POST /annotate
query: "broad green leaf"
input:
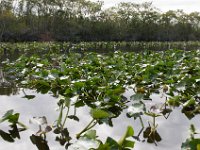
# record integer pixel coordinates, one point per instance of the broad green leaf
(129, 131)
(198, 146)
(111, 144)
(191, 144)
(99, 114)
(189, 102)
(13, 118)
(91, 134)
(6, 115)
(10, 117)
(174, 101)
(79, 103)
(122, 141)
(128, 143)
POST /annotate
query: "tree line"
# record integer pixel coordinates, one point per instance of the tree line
(84, 20)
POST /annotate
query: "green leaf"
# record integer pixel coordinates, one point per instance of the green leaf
(128, 143)
(79, 103)
(10, 117)
(13, 118)
(174, 101)
(91, 134)
(129, 132)
(112, 143)
(122, 141)
(189, 102)
(191, 144)
(6, 115)
(99, 114)
(198, 146)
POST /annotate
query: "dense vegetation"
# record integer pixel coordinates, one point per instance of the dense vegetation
(77, 76)
(83, 20)
(14, 50)
(99, 81)
(10, 49)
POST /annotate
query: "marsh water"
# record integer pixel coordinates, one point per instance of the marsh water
(174, 130)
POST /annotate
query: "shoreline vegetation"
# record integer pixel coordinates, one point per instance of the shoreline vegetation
(13, 51)
(83, 20)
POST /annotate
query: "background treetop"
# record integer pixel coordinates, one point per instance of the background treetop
(83, 20)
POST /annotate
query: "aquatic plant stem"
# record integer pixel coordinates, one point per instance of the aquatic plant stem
(142, 124)
(22, 125)
(154, 122)
(88, 127)
(66, 116)
(141, 121)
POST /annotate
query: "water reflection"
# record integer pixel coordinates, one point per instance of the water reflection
(27, 110)
(40, 142)
(7, 87)
(9, 91)
(173, 131)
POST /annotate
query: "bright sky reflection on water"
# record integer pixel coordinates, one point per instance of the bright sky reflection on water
(173, 131)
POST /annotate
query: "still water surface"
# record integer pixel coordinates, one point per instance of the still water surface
(173, 130)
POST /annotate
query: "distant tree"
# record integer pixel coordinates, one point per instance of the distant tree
(83, 20)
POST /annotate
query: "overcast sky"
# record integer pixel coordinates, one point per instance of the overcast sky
(163, 5)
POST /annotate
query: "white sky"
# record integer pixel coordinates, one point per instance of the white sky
(163, 5)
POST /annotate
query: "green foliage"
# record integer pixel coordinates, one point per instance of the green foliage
(13, 133)
(99, 114)
(191, 143)
(10, 117)
(123, 144)
(84, 20)
(99, 82)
